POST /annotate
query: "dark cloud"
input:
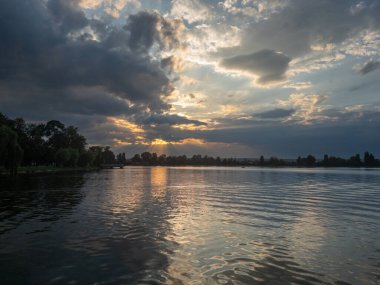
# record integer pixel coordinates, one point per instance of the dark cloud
(55, 61)
(268, 65)
(146, 29)
(67, 15)
(160, 119)
(275, 114)
(41, 54)
(369, 67)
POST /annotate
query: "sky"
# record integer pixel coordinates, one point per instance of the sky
(235, 78)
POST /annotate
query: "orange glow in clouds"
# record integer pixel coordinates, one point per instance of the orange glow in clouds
(122, 123)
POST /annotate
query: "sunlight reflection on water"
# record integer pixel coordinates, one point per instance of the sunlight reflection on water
(192, 225)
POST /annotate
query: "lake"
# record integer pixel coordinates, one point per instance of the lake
(192, 225)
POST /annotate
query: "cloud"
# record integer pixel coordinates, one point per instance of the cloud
(42, 60)
(190, 10)
(308, 107)
(369, 67)
(277, 113)
(110, 7)
(268, 65)
(257, 9)
(303, 24)
(53, 60)
(58, 64)
(148, 28)
(166, 119)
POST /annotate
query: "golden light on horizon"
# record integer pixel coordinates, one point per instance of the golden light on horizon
(184, 141)
(159, 142)
(121, 142)
(159, 146)
(122, 123)
(191, 127)
(191, 141)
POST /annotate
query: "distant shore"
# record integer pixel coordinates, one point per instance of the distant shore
(38, 170)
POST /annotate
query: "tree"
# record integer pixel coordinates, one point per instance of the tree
(262, 161)
(162, 159)
(97, 152)
(369, 159)
(10, 151)
(310, 160)
(86, 158)
(325, 161)
(120, 159)
(67, 157)
(108, 156)
(154, 159)
(136, 159)
(146, 157)
(355, 161)
(73, 139)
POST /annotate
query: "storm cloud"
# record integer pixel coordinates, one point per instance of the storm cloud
(53, 49)
(269, 65)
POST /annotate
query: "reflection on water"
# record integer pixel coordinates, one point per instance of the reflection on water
(159, 181)
(192, 225)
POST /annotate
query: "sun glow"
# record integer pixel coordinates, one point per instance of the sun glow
(159, 142)
(180, 142)
(122, 123)
(121, 142)
(191, 127)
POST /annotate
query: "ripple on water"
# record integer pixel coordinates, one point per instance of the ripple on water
(160, 225)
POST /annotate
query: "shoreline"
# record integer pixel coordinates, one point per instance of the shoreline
(37, 170)
(41, 170)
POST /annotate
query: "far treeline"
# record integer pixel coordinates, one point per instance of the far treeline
(147, 158)
(53, 144)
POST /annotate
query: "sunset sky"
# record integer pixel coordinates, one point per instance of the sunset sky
(230, 78)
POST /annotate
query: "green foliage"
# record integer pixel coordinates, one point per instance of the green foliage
(86, 158)
(67, 157)
(41, 142)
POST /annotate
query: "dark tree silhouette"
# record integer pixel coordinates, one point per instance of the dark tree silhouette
(10, 151)
(369, 159)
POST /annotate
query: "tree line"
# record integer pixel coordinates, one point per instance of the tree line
(368, 160)
(147, 158)
(54, 144)
(50, 144)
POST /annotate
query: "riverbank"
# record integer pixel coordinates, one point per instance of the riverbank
(30, 170)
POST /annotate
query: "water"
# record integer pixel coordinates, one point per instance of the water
(192, 225)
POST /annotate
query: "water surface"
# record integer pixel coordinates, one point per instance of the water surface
(192, 225)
